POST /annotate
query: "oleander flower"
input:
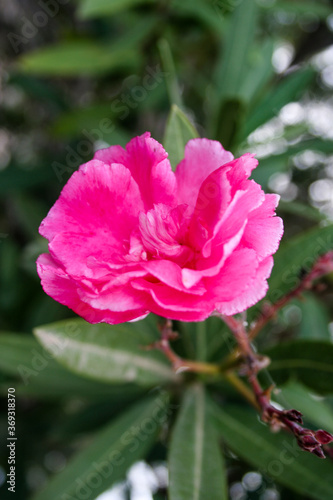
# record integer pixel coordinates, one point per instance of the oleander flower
(129, 236)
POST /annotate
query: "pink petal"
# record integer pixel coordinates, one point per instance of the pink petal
(94, 216)
(172, 275)
(212, 201)
(202, 157)
(147, 161)
(61, 287)
(114, 299)
(224, 227)
(174, 304)
(211, 266)
(240, 170)
(256, 290)
(235, 276)
(263, 231)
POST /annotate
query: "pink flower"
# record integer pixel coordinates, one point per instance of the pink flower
(128, 236)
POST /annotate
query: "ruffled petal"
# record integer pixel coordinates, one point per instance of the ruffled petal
(61, 287)
(173, 304)
(235, 276)
(264, 230)
(202, 157)
(256, 290)
(147, 161)
(172, 275)
(240, 170)
(94, 216)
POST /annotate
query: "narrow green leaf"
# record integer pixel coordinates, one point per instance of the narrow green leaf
(113, 450)
(170, 72)
(295, 395)
(260, 71)
(210, 340)
(195, 462)
(201, 334)
(97, 8)
(35, 373)
(235, 50)
(76, 58)
(179, 130)
(295, 256)
(275, 455)
(231, 114)
(287, 90)
(108, 353)
(309, 362)
(315, 319)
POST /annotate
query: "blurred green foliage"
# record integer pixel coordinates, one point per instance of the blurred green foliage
(80, 75)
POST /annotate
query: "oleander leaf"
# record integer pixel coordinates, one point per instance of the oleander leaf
(110, 353)
(179, 130)
(195, 461)
(114, 449)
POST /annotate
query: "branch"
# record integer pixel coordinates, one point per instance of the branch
(307, 439)
(179, 364)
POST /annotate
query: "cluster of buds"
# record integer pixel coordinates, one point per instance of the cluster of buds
(308, 440)
(313, 441)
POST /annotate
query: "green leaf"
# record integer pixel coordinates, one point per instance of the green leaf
(235, 50)
(208, 340)
(195, 462)
(113, 354)
(309, 362)
(259, 73)
(97, 8)
(170, 72)
(231, 114)
(275, 455)
(77, 58)
(113, 450)
(179, 130)
(36, 374)
(295, 256)
(287, 90)
(295, 395)
(315, 319)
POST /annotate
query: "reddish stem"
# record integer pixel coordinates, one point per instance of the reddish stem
(178, 363)
(307, 439)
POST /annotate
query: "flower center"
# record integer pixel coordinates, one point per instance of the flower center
(163, 233)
